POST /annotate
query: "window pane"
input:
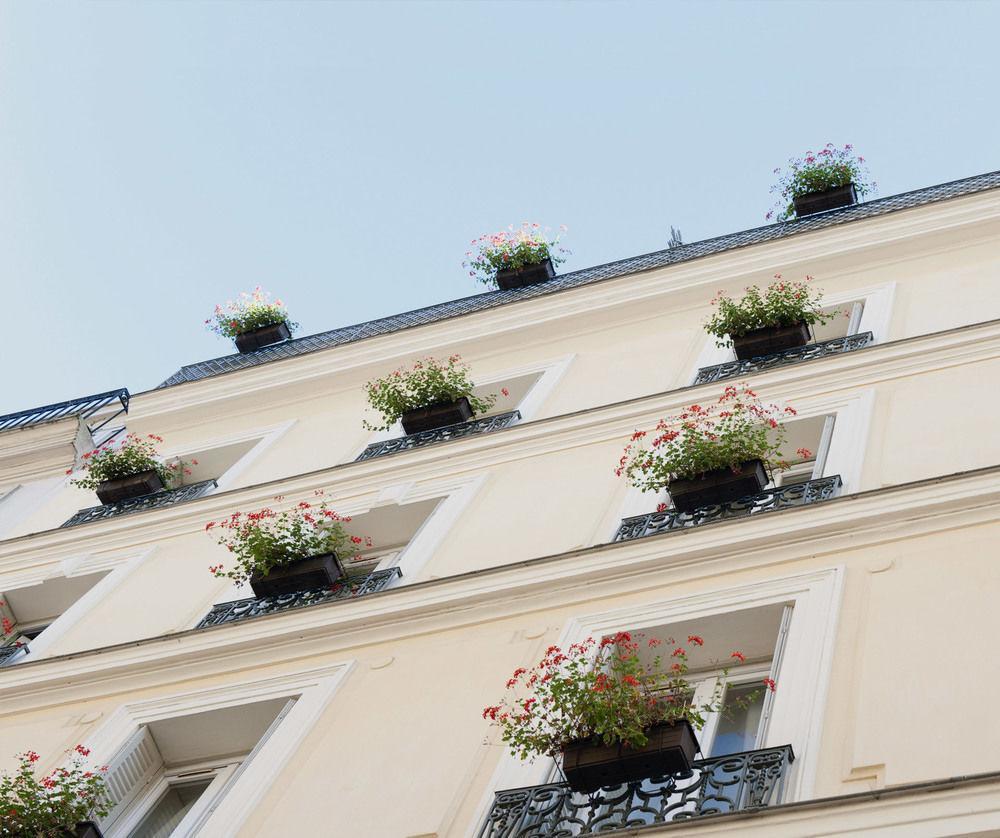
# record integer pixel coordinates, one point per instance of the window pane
(737, 729)
(170, 810)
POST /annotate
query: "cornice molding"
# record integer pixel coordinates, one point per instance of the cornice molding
(39, 451)
(858, 369)
(978, 210)
(809, 533)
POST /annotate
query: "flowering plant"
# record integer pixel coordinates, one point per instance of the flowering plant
(828, 168)
(249, 312)
(427, 382)
(45, 807)
(736, 428)
(781, 303)
(601, 690)
(511, 250)
(133, 455)
(265, 539)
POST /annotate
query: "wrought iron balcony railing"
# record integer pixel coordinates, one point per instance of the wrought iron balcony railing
(715, 786)
(142, 503)
(82, 407)
(836, 346)
(9, 652)
(244, 609)
(781, 497)
(477, 426)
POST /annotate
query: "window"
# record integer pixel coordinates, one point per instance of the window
(527, 389)
(173, 772)
(858, 311)
(28, 611)
(212, 748)
(759, 634)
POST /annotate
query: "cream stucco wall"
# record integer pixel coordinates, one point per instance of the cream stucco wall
(402, 746)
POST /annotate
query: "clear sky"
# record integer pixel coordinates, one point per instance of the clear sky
(156, 158)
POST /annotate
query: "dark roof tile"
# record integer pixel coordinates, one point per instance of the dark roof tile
(648, 261)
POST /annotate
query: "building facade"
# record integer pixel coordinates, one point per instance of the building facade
(864, 582)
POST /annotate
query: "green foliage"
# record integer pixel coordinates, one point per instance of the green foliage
(133, 455)
(735, 429)
(603, 690)
(251, 311)
(511, 250)
(262, 540)
(828, 168)
(33, 807)
(426, 383)
(780, 304)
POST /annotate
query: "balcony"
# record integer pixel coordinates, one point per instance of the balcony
(837, 346)
(486, 425)
(245, 609)
(141, 503)
(715, 786)
(9, 652)
(781, 497)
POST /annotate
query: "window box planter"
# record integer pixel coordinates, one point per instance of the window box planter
(134, 486)
(718, 486)
(839, 196)
(264, 336)
(772, 339)
(84, 829)
(588, 765)
(323, 571)
(436, 416)
(530, 275)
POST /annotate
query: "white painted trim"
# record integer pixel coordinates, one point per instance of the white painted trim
(23, 499)
(412, 559)
(59, 627)
(314, 690)
(266, 436)
(801, 699)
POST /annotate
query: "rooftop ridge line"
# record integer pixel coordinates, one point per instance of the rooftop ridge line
(609, 270)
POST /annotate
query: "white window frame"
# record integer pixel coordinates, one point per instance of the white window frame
(454, 495)
(845, 454)
(266, 437)
(150, 797)
(120, 565)
(796, 717)
(875, 318)
(313, 690)
(704, 685)
(549, 373)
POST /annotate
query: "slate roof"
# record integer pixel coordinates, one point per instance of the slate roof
(648, 261)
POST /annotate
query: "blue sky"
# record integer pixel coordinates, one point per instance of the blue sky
(157, 158)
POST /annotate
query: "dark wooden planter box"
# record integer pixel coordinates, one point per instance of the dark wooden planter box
(134, 486)
(437, 416)
(530, 275)
(84, 829)
(839, 196)
(670, 750)
(322, 571)
(718, 486)
(772, 339)
(264, 336)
